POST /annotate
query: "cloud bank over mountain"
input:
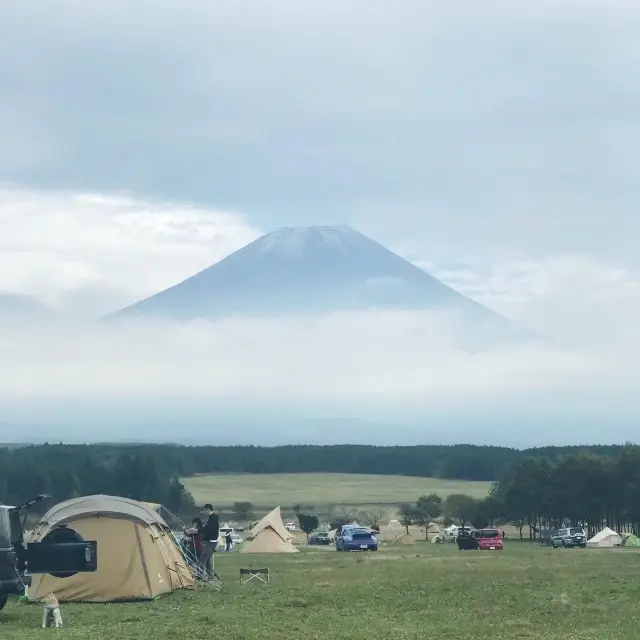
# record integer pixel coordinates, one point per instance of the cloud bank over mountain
(177, 380)
(409, 373)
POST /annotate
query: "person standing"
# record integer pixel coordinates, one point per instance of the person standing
(192, 543)
(210, 533)
(229, 540)
(196, 538)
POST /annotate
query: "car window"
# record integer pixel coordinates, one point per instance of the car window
(487, 533)
(575, 531)
(359, 531)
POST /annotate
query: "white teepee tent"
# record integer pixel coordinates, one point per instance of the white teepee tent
(605, 538)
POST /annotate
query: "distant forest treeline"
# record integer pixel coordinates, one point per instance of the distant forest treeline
(152, 472)
(579, 488)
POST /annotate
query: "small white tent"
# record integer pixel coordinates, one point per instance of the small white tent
(605, 538)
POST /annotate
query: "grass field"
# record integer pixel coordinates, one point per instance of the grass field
(286, 489)
(426, 591)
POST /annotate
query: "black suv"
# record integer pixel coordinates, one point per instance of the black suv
(57, 554)
(569, 537)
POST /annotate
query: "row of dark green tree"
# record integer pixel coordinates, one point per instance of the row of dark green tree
(464, 462)
(545, 493)
(68, 472)
(583, 488)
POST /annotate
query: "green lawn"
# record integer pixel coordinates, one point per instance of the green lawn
(426, 591)
(287, 489)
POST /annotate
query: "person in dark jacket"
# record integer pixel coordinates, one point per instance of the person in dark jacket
(210, 533)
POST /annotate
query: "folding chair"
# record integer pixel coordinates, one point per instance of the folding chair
(258, 574)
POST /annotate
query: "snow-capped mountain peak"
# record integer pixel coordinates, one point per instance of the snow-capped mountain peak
(301, 270)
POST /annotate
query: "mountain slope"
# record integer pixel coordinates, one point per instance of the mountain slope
(15, 306)
(307, 270)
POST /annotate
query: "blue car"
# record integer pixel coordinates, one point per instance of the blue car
(356, 538)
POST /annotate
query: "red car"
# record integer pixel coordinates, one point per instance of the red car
(489, 539)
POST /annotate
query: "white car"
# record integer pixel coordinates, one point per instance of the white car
(453, 531)
(290, 526)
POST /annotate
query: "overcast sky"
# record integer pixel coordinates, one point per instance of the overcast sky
(494, 144)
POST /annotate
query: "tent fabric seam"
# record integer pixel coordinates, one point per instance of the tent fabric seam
(143, 560)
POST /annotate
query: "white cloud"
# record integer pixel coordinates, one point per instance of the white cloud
(104, 250)
(512, 124)
(260, 381)
(364, 358)
(577, 299)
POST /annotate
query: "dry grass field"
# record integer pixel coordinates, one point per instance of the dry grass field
(321, 489)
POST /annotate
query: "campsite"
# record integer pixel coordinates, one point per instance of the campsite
(143, 587)
(318, 320)
(400, 592)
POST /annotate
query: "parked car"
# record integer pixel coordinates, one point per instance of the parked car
(569, 537)
(489, 539)
(466, 541)
(356, 538)
(290, 526)
(320, 538)
(452, 532)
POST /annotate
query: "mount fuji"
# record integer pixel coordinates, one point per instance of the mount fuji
(296, 271)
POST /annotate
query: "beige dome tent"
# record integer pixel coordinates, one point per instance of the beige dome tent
(159, 509)
(138, 556)
(269, 536)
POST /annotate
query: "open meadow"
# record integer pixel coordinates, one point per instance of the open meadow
(425, 591)
(287, 489)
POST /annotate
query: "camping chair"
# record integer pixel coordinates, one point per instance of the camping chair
(258, 574)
